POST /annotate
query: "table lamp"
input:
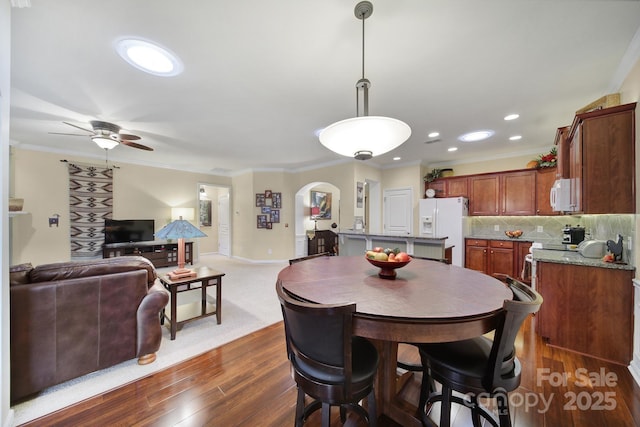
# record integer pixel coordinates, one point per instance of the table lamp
(180, 229)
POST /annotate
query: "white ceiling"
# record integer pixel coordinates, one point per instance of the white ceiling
(261, 77)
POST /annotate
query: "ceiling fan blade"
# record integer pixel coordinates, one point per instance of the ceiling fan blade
(128, 137)
(78, 127)
(135, 145)
(70, 134)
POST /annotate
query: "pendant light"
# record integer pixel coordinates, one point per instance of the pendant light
(364, 137)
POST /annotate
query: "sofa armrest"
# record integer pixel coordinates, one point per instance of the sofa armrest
(149, 328)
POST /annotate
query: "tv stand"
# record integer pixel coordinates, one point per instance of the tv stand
(160, 253)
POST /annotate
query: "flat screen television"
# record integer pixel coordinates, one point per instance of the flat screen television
(128, 230)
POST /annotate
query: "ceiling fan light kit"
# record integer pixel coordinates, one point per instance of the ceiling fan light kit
(364, 137)
(107, 135)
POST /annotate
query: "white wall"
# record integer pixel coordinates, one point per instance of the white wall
(6, 414)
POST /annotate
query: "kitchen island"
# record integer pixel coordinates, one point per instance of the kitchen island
(357, 243)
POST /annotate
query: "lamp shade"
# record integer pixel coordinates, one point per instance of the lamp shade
(374, 134)
(179, 229)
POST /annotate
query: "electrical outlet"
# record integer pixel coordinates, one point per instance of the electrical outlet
(496, 228)
(539, 229)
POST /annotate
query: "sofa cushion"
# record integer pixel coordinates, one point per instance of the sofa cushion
(75, 269)
(19, 274)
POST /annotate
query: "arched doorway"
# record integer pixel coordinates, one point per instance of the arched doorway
(303, 222)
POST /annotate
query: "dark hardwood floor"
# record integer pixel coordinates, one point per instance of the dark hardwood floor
(247, 383)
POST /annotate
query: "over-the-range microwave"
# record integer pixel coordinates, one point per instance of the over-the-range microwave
(560, 196)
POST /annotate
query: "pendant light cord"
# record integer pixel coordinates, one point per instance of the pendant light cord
(363, 83)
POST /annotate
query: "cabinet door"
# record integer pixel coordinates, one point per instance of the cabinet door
(484, 194)
(458, 187)
(501, 260)
(562, 148)
(476, 258)
(575, 169)
(518, 193)
(544, 181)
(587, 309)
(608, 163)
(439, 186)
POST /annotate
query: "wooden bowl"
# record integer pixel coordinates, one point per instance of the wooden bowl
(387, 268)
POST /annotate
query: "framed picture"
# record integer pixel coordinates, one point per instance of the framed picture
(260, 200)
(275, 215)
(320, 205)
(277, 200)
(205, 213)
(266, 210)
(269, 226)
(359, 194)
(262, 221)
(267, 194)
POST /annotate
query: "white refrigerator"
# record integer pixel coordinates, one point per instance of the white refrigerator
(446, 217)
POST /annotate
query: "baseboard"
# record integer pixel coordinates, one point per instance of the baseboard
(634, 368)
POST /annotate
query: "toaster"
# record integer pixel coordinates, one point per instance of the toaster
(592, 248)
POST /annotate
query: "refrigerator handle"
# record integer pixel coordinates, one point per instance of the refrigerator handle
(435, 222)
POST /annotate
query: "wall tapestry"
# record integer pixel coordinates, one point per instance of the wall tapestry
(90, 203)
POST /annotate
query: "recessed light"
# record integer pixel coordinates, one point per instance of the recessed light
(476, 136)
(149, 57)
(434, 134)
(512, 116)
(397, 158)
(515, 137)
(452, 149)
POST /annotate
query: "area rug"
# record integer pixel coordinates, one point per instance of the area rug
(249, 303)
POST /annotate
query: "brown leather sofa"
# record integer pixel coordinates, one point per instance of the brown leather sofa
(69, 319)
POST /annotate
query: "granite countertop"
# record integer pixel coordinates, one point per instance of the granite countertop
(391, 236)
(502, 237)
(574, 258)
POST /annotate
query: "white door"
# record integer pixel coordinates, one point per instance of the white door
(398, 211)
(223, 225)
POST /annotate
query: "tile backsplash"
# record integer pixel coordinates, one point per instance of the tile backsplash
(599, 227)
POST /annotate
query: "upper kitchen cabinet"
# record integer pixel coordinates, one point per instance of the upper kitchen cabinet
(545, 178)
(601, 161)
(507, 193)
(456, 186)
(562, 148)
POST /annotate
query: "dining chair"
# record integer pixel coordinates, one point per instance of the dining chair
(304, 258)
(328, 363)
(479, 365)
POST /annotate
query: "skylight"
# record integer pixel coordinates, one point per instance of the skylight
(149, 57)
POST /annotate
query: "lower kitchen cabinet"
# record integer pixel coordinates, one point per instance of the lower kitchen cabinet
(496, 257)
(587, 309)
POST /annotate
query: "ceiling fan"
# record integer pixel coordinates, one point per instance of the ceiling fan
(107, 135)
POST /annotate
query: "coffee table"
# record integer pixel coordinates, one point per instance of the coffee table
(206, 306)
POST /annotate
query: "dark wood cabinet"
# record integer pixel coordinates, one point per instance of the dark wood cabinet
(160, 254)
(507, 193)
(496, 258)
(562, 148)
(484, 194)
(587, 309)
(457, 186)
(544, 181)
(517, 193)
(602, 161)
(323, 241)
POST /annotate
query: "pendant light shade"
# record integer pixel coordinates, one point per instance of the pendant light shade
(358, 136)
(364, 137)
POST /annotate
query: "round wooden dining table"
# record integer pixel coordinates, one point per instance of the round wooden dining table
(428, 301)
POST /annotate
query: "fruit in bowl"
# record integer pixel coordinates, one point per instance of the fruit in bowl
(514, 234)
(388, 260)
